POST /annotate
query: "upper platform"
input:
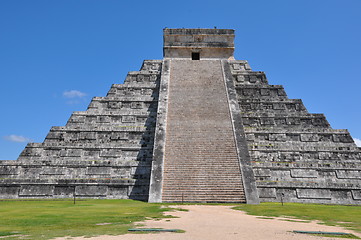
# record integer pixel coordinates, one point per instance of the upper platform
(198, 43)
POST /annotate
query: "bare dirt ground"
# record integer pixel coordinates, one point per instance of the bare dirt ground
(223, 223)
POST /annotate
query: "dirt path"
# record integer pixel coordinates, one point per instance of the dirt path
(223, 223)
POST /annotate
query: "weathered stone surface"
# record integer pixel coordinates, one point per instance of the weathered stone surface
(156, 181)
(356, 194)
(292, 149)
(267, 192)
(201, 162)
(112, 140)
(36, 190)
(241, 128)
(304, 173)
(314, 193)
(207, 43)
(91, 191)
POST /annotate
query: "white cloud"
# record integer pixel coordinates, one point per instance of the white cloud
(17, 138)
(73, 94)
(357, 141)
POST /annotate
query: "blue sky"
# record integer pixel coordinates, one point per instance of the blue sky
(56, 55)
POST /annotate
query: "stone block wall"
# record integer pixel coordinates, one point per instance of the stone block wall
(208, 43)
(107, 150)
(103, 152)
(295, 155)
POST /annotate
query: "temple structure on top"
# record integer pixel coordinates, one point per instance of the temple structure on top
(196, 43)
(196, 126)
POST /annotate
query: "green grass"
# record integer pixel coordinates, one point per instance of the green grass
(345, 216)
(47, 219)
(336, 236)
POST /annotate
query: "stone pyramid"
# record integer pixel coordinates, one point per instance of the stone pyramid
(197, 126)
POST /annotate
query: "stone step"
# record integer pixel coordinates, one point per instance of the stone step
(204, 190)
(204, 194)
(185, 175)
(205, 179)
(184, 170)
(223, 198)
(215, 199)
(201, 159)
(221, 167)
(223, 164)
(219, 182)
(185, 197)
(218, 178)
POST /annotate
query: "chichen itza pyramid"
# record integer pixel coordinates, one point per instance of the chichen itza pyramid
(196, 126)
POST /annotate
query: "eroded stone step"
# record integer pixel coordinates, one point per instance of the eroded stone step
(200, 155)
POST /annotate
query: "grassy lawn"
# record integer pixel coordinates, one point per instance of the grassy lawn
(45, 219)
(48, 219)
(345, 216)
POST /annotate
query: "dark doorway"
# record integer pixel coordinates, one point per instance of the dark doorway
(195, 56)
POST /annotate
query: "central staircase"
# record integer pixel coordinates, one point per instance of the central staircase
(201, 162)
